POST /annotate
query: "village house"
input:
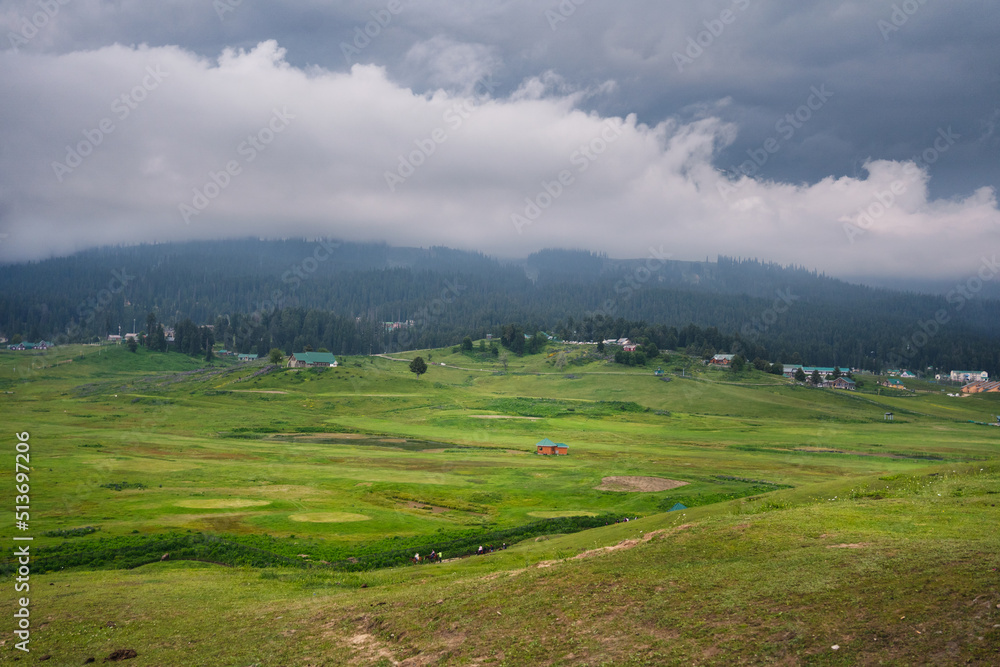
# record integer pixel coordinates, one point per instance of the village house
(312, 360)
(247, 357)
(982, 387)
(546, 447)
(969, 376)
(892, 383)
(843, 383)
(722, 359)
(823, 371)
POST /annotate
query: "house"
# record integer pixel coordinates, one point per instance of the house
(823, 371)
(630, 347)
(114, 338)
(982, 387)
(893, 383)
(312, 360)
(546, 447)
(907, 375)
(844, 383)
(247, 357)
(722, 359)
(969, 376)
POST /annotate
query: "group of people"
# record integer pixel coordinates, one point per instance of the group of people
(433, 557)
(625, 520)
(436, 557)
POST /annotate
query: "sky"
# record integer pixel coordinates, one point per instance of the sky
(858, 138)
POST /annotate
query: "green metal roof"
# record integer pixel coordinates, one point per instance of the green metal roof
(315, 357)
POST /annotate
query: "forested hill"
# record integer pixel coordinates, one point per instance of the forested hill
(337, 295)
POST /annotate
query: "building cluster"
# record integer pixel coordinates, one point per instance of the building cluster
(40, 345)
(982, 387)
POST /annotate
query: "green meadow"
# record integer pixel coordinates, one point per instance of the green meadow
(289, 501)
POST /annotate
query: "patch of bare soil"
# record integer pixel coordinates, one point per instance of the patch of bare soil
(624, 544)
(420, 506)
(638, 484)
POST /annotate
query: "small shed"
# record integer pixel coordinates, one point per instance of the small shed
(546, 447)
(887, 417)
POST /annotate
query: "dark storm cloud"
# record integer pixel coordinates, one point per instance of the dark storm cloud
(819, 103)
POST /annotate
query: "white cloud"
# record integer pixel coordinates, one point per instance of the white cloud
(319, 167)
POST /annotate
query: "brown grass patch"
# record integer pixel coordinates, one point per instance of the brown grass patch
(638, 484)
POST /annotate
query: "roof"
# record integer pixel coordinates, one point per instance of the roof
(545, 442)
(727, 357)
(315, 357)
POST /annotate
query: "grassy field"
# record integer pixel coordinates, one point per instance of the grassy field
(811, 521)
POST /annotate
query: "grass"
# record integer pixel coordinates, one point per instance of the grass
(810, 521)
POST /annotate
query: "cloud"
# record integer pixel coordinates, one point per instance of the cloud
(182, 146)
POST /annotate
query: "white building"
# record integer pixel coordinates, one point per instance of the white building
(969, 376)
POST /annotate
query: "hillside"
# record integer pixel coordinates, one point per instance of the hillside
(290, 294)
(811, 522)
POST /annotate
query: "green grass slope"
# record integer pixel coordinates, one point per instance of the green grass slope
(812, 522)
